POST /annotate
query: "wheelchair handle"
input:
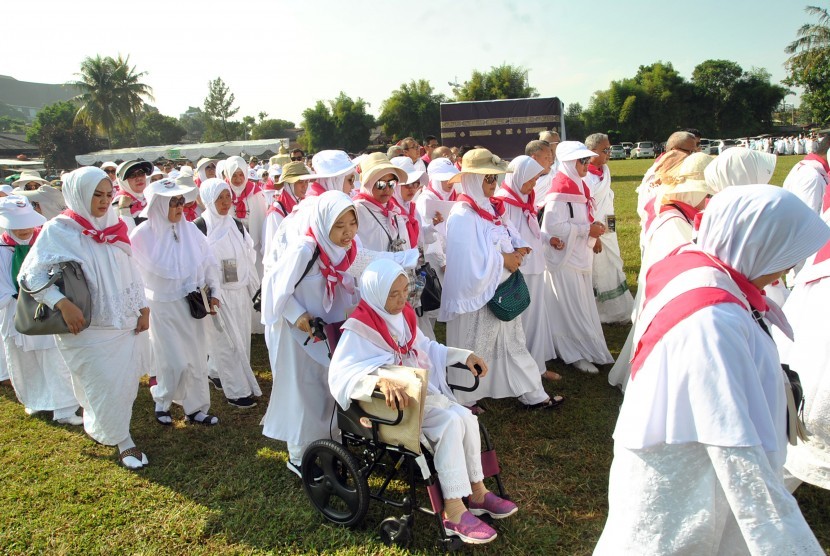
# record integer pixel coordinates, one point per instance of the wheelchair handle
(380, 420)
(475, 378)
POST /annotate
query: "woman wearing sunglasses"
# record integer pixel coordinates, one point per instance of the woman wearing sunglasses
(174, 259)
(382, 228)
(484, 250)
(568, 215)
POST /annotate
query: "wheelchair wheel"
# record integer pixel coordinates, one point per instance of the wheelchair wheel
(333, 483)
(396, 532)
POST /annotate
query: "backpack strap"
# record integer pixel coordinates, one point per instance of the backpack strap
(202, 225)
(310, 264)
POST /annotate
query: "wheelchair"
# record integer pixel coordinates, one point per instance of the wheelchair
(336, 475)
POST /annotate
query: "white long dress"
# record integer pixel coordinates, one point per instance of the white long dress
(102, 360)
(713, 390)
(614, 300)
(471, 324)
(38, 373)
(578, 333)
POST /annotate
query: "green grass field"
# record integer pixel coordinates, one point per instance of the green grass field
(225, 490)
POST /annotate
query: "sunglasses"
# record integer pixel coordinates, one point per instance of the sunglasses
(381, 185)
(607, 151)
(414, 185)
(176, 201)
(490, 178)
(210, 167)
(135, 174)
(584, 161)
(297, 158)
(110, 170)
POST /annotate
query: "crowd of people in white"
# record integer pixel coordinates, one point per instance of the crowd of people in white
(184, 266)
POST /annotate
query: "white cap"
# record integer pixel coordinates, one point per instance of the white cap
(573, 150)
(17, 213)
(441, 169)
(330, 163)
(405, 163)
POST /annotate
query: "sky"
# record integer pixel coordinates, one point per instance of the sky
(281, 57)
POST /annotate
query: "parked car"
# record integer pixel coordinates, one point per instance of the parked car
(717, 147)
(617, 152)
(704, 145)
(643, 149)
(627, 147)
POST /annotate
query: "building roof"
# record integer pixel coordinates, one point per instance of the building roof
(12, 143)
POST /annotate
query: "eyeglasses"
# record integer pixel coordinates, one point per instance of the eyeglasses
(381, 185)
(177, 201)
(297, 158)
(607, 151)
(210, 167)
(490, 178)
(136, 174)
(410, 148)
(110, 170)
(413, 185)
(584, 161)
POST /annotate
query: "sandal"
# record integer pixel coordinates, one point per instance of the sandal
(550, 403)
(134, 453)
(476, 409)
(160, 415)
(206, 420)
(551, 375)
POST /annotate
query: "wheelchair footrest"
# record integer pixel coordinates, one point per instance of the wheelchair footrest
(490, 463)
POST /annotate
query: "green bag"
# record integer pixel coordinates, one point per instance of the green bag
(511, 298)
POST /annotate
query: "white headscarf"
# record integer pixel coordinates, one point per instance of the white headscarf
(329, 207)
(334, 183)
(217, 225)
(78, 189)
(375, 283)
(232, 164)
(739, 166)
(760, 229)
(524, 169)
(173, 251)
(473, 186)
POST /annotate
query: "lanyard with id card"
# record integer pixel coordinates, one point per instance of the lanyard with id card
(229, 273)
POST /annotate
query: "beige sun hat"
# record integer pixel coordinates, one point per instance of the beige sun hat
(29, 175)
(689, 177)
(376, 165)
(480, 161)
(294, 172)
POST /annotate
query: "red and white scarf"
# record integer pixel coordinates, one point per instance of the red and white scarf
(493, 219)
(453, 196)
(137, 204)
(333, 274)
(366, 315)
(116, 235)
(413, 226)
(239, 200)
(565, 190)
(387, 210)
(528, 207)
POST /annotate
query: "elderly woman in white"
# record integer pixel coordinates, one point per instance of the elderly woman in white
(100, 358)
(229, 349)
(38, 373)
(381, 331)
(175, 260)
(701, 440)
(518, 198)
(483, 251)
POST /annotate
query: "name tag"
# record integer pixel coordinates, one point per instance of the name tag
(611, 222)
(229, 271)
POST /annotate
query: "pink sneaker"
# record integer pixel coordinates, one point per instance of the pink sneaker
(498, 508)
(470, 529)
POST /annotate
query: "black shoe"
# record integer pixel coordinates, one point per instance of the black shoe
(243, 403)
(217, 383)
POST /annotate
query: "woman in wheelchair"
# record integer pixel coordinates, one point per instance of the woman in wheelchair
(383, 330)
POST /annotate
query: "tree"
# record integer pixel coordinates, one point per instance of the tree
(412, 110)
(219, 106)
(342, 124)
(574, 126)
(111, 94)
(809, 64)
(130, 92)
(271, 129)
(60, 136)
(157, 129)
(501, 82)
(194, 122)
(716, 81)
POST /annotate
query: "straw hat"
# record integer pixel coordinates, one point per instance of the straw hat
(689, 177)
(405, 163)
(29, 175)
(17, 213)
(573, 150)
(480, 161)
(376, 165)
(328, 164)
(294, 172)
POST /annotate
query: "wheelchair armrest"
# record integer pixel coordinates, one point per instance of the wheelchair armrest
(465, 388)
(380, 420)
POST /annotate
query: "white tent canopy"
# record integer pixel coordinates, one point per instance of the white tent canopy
(191, 152)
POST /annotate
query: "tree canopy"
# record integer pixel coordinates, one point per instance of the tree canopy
(414, 110)
(809, 64)
(219, 110)
(342, 123)
(500, 82)
(60, 136)
(273, 128)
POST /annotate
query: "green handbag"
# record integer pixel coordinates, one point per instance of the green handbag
(511, 298)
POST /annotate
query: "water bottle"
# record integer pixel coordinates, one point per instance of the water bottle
(417, 289)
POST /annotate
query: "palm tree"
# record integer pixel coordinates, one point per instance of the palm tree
(98, 109)
(130, 92)
(809, 64)
(812, 38)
